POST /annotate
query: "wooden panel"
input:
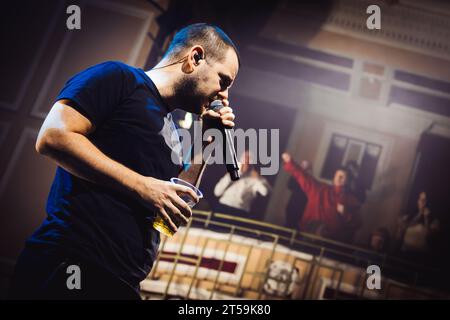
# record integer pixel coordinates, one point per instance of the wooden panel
(29, 28)
(23, 193)
(108, 32)
(4, 128)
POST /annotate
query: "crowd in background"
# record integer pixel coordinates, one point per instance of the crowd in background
(330, 210)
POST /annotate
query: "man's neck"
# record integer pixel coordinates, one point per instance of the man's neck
(164, 82)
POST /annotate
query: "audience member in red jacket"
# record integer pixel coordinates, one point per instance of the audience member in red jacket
(332, 209)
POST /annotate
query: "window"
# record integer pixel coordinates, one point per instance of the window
(345, 152)
(371, 81)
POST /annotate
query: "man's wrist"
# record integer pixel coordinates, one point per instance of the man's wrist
(136, 185)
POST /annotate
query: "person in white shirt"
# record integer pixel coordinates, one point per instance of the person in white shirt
(236, 197)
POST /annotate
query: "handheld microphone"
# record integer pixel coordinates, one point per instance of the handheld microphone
(229, 153)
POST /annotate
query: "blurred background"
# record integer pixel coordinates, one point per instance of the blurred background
(374, 101)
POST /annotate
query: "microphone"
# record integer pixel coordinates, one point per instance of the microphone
(229, 153)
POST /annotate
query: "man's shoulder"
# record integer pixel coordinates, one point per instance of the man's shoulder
(108, 69)
(115, 66)
(134, 74)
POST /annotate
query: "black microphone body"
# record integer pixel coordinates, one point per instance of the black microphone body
(229, 153)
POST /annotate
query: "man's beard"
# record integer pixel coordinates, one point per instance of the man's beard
(189, 95)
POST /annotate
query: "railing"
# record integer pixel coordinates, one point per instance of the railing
(325, 263)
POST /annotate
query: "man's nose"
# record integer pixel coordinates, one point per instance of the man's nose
(223, 94)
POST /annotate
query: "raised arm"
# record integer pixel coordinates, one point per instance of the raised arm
(222, 185)
(306, 182)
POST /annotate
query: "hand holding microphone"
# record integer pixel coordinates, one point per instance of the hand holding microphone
(224, 113)
(220, 111)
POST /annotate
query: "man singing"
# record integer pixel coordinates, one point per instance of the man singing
(111, 133)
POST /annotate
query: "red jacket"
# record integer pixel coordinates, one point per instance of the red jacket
(322, 203)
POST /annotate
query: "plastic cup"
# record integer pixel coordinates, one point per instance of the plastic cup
(159, 224)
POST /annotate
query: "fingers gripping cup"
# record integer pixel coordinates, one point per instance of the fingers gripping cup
(159, 224)
(187, 198)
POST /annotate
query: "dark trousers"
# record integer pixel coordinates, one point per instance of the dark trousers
(43, 272)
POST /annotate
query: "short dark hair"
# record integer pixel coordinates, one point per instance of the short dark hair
(213, 39)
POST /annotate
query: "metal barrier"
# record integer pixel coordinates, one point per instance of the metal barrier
(316, 269)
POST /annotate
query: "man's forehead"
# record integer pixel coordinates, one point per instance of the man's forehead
(231, 63)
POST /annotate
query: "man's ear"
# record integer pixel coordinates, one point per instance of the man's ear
(195, 55)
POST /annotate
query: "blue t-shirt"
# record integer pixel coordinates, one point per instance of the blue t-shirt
(133, 126)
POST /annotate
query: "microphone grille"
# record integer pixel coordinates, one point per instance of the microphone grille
(216, 105)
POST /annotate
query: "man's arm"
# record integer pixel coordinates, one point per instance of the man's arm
(306, 182)
(63, 137)
(222, 185)
(195, 171)
(262, 187)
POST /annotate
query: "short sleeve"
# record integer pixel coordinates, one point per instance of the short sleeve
(97, 90)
